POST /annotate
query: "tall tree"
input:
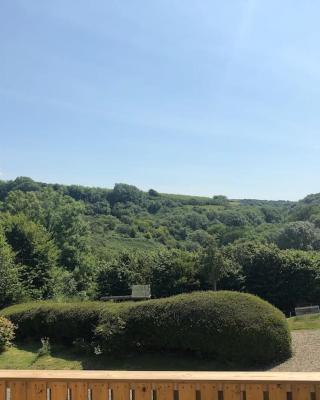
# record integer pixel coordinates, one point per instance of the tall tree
(10, 287)
(62, 217)
(35, 252)
(213, 266)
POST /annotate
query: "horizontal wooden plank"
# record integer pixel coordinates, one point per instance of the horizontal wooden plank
(160, 376)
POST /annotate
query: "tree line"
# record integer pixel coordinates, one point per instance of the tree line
(61, 241)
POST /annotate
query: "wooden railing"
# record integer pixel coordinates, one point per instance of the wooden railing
(120, 385)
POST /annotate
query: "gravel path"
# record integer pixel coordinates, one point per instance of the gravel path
(306, 352)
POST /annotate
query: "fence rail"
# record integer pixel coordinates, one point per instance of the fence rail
(160, 385)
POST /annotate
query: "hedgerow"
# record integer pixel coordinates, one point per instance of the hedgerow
(62, 322)
(226, 326)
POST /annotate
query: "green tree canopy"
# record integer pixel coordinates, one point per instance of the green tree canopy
(10, 287)
(34, 251)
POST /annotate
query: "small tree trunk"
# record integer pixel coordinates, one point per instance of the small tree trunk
(214, 285)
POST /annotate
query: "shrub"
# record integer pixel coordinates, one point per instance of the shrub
(226, 326)
(6, 332)
(62, 322)
(45, 349)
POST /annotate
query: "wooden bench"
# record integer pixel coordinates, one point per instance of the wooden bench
(138, 292)
(307, 310)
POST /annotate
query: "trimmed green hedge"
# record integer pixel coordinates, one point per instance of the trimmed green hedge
(222, 325)
(226, 326)
(62, 322)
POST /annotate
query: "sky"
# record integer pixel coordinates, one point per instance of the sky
(197, 97)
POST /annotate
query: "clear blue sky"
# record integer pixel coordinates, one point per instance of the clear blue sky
(202, 97)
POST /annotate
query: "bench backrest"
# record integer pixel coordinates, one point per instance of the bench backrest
(307, 310)
(143, 291)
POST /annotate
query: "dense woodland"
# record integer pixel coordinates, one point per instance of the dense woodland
(75, 242)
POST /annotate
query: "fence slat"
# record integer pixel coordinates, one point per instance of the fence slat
(120, 391)
(164, 391)
(254, 392)
(187, 391)
(37, 390)
(58, 390)
(18, 390)
(301, 391)
(142, 391)
(2, 390)
(317, 392)
(277, 391)
(209, 391)
(79, 390)
(99, 391)
(231, 391)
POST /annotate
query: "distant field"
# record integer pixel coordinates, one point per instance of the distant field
(106, 246)
(311, 321)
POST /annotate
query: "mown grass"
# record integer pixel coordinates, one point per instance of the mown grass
(25, 356)
(311, 321)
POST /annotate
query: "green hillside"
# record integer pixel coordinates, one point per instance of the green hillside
(102, 241)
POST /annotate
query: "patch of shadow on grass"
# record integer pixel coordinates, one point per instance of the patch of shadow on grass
(154, 362)
(63, 357)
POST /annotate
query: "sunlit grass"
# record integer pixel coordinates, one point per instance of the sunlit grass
(25, 356)
(311, 321)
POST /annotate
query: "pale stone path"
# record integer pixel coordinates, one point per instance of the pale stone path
(306, 352)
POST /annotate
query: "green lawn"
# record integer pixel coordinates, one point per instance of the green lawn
(311, 321)
(25, 356)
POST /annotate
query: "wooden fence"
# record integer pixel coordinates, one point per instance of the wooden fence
(161, 385)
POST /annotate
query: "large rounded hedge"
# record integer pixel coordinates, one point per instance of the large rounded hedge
(226, 326)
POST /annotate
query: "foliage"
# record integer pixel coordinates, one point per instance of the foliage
(169, 271)
(284, 278)
(227, 326)
(62, 322)
(213, 266)
(117, 277)
(123, 193)
(10, 287)
(223, 325)
(60, 216)
(173, 272)
(45, 348)
(79, 242)
(301, 235)
(7, 334)
(34, 252)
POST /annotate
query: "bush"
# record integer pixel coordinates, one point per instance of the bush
(225, 326)
(62, 322)
(45, 349)
(6, 332)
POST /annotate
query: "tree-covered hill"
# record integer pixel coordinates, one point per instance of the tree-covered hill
(58, 240)
(154, 219)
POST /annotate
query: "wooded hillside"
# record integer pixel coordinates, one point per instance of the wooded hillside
(79, 242)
